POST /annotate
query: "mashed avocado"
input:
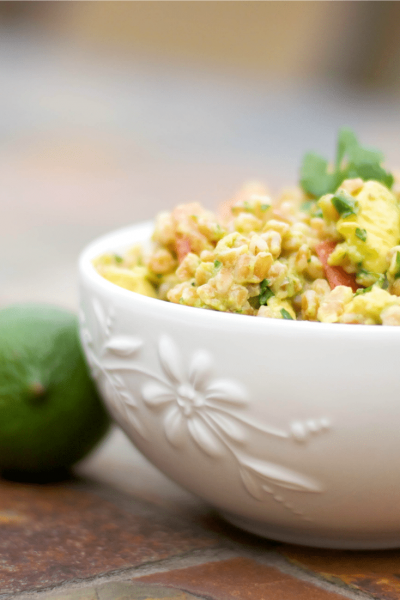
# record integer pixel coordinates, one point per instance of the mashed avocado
(371, 305)
(369, 232)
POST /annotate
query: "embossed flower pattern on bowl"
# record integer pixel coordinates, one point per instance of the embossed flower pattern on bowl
(193, 401)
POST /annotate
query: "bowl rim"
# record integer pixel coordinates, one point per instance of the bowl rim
(141, 231)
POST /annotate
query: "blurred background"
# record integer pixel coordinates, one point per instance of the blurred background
(111, 111)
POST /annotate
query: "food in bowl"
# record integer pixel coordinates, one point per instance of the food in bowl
(289, 429)
(327, 251)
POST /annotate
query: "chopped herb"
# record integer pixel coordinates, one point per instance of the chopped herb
(193, 283)
(264, 284)
(265, 296)
(159, 275)
(345, 204)
(314, 176)
(217, 264)
(181, 301)
(364, 272)
(118, 258)
(352, 160)
(361, 234)
(265, 292)
(381, 281)
(265, 207)
(364, 290)
(255, 302)
(286, 315)
(318, 214)
(397, 274)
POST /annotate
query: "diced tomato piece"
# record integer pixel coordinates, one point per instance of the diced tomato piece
(335, 275)
(182, 248)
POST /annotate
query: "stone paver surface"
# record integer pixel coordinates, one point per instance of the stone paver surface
(241, 578)
(53, 534)
(123, 591)
(375, 573)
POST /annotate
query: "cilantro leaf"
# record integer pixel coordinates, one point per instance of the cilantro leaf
(352, 160)
(314, 176)
(286, 315)
(370, 172)
(361, 234)
(345, 204)
(265, 292)
(397, 274)
(217, 264)
(347, 141)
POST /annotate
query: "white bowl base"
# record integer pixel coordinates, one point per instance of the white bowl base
(288, 537)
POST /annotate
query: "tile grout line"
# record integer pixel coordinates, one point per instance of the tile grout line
(275, 559)
(182, 561)
(195, 558)
(271, 557)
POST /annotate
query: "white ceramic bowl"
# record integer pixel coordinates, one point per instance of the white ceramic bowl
(289, 429)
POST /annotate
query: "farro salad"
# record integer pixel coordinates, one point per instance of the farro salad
(327, 250)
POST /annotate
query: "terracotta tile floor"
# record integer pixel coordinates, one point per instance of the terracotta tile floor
(85, 149)
(240, 578)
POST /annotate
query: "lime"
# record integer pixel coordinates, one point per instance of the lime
(50, 412)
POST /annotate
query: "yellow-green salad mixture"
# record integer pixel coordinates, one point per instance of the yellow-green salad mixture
(327, 250)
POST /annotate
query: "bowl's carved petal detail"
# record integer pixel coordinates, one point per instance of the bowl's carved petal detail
(86, 337)
(127, 398)
(200, 369)
(170, 359)
(122, 345)
(227, 392)
(263, 479)
(136, 422)
(155, 394)
(106, 357)
(195, 407)
(174, 426)
(123, 403)
(276, 475)
(204, 410)
(204, 437)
